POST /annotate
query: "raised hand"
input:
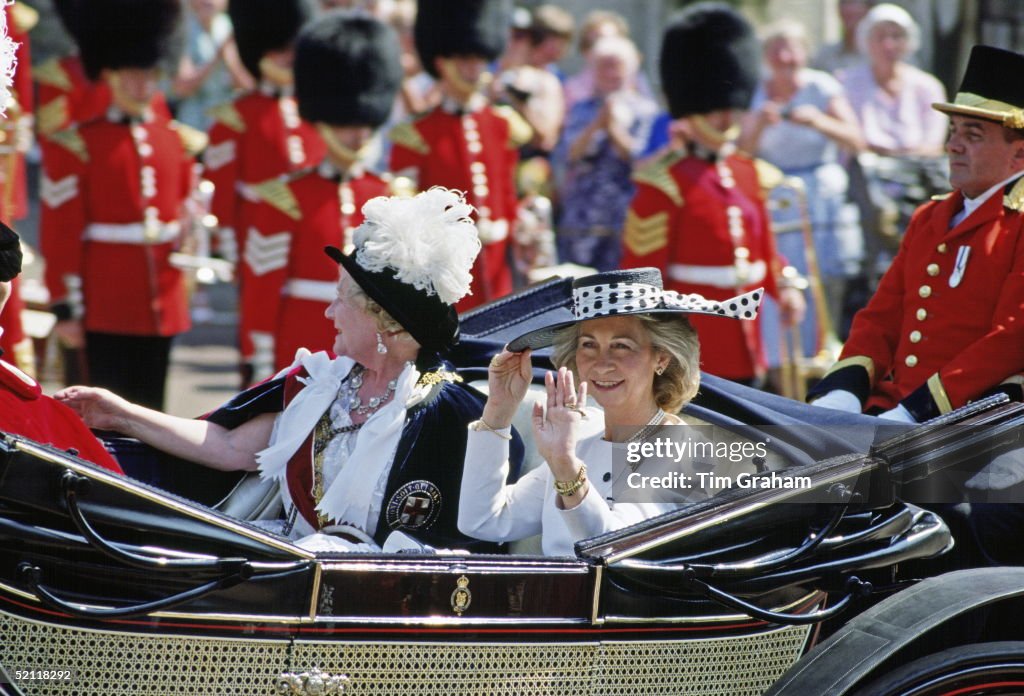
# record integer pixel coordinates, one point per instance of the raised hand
(508, 379)
(555, 423)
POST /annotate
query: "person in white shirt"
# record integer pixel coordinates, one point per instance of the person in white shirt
(631, 347)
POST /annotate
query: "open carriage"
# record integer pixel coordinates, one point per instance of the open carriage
(114, 585)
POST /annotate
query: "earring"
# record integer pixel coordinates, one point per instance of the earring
(658, 370)
(381, 348)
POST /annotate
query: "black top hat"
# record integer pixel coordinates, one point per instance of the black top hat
(710, 58)
(347, 70)
(460, 28)
(261, 26)
(116, 34)
(635, 291)
(413, 257)
(991, 88)
(10, 253)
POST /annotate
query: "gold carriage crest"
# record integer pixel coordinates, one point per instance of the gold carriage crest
(461, 596)
(312, 682)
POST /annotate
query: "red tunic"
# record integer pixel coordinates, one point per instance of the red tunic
(934, 337)
(112, 194)
(26, 411)
(704, 226)
(287, 279)
(256, 137)
(477, 153)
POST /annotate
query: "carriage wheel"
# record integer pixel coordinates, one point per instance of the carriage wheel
(969, 670)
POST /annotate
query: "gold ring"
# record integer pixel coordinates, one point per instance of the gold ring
(577, 409)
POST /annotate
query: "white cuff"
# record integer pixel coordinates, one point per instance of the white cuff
(840, 400)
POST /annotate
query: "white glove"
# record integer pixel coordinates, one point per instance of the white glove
(1005, 470)
(900, 414)
(840, 400)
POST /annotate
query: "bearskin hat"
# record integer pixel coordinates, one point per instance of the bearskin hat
(265, 25)
(67, 12)
(115, 34)
(710, 59)
(461, 28)
(347, 70)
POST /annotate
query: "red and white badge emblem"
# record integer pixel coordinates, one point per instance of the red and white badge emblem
(415, 505)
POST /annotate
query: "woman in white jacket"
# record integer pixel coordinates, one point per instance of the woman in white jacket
(630, 347)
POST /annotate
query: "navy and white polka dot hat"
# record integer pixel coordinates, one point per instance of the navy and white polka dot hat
(635, 291)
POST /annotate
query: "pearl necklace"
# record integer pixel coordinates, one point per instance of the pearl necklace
(351, 399)
(645, 432)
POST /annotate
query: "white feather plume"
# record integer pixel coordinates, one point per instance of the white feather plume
(8, 61)
(429, 240)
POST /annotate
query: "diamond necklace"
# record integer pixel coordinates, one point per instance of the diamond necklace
(354, 404)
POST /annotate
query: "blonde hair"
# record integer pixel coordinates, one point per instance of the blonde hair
(669, 333)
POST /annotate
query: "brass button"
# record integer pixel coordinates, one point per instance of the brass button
(915, 336)
(922, 314)
(933, 269)
(911, 360)
(924, 291)
(942, 248)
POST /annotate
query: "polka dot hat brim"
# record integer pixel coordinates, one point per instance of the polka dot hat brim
(594, 301)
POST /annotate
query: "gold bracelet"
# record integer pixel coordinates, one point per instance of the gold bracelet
(567, 488)
(482, 425)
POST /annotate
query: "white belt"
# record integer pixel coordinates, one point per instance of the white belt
(132, 233)
(316, 290)
(492, 231)
(717, 276)
(248, 192)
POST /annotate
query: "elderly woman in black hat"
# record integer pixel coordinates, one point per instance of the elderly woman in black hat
(631, 347)
(369, 441)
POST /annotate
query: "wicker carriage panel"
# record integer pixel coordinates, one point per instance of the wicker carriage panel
(115, 664)
(119, 663)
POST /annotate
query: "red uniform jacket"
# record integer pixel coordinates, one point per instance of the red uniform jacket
(254, 138)
(940, 332)
(477, 153)
(26, 411)
(704, 226)
(112, 194)
(287, 279)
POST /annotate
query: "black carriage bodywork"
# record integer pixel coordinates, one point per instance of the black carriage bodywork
(109, 578)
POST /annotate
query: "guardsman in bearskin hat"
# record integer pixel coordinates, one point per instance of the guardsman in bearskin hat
(699, 214)
(944, 326)
(65, 95)
(260, 134)
(465, 143)
(347, 75)
(111, 218)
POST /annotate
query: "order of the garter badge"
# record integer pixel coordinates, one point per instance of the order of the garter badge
(415, 505)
